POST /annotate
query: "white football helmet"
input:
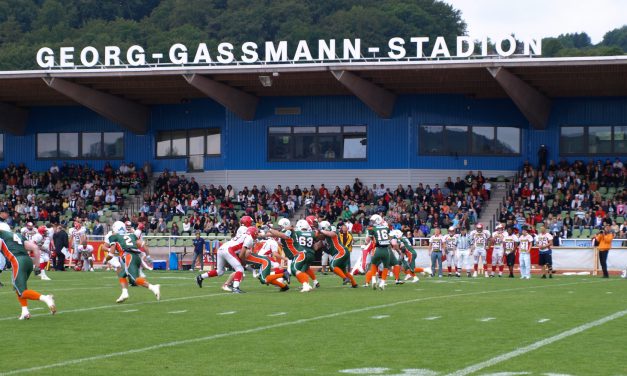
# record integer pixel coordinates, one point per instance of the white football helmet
(376, 219)
(284, 223)
(451, 229)
(118, 227)
(325, 225)
(302, 225)
(396, 234)
(5, 227)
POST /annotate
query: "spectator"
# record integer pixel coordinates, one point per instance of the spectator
(604, 243)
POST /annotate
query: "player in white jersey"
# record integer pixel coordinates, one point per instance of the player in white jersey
(509, 246)
(497, 250)
(233, 252)
(43, 242)
(479, 239)
(244, 223)
(544, 240)
(450, 249)
(28, 231)
(463, 251)
(78, 236)
(524, 247)
(436, 246)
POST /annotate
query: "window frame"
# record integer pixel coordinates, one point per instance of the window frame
(469, 141)
(205, 133)
(342, 134)
(80, 157)
(586, 141)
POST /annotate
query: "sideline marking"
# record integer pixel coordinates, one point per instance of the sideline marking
(536, 345)
(277, 314)
(272, 326)
(379, 317)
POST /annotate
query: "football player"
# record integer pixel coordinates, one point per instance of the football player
(338, 252)
(524, 247)
(28, 231)
(544, 241)
(509, 245)
(436, 245)
(127, 245)
(16, 250)
(497, 250)
(43, 241)
(479, 239)
(408, 259)
(379, 236)
(450, 249)
(77, 237)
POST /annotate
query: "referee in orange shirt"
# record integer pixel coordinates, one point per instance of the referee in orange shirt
(604, 243)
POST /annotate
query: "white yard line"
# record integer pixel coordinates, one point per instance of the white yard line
(227, 313)
(258, 329)
(543, 320)
(536, 345)
(177, 312)
(379, 317)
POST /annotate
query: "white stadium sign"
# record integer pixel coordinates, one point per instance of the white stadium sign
(281, 52)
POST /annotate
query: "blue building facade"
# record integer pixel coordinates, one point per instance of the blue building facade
(391, 143)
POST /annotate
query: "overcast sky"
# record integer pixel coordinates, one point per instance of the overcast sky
(541, 18)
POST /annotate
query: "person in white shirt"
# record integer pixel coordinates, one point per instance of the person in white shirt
(43, 242)
(450, 246)
(524, 247)
(544, 241)
(436, 246)
(509, 245)
(479, 239)
(497, 250)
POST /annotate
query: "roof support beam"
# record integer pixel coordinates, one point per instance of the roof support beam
(242, 104)
(130, 115)
(535, 106)
(380, 100)
(13, 119)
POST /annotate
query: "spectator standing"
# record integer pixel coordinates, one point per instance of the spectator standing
(604, 243)
(199, 247)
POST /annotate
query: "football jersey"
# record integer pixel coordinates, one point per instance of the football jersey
(525, 243)
(303, 240)
(268, 247)
(450, 242)
(288, 246)
(12, 245)
(436, 242)
(498, 237)
(124, 243)
(509, 242)
(241, 230)
(380, 235)
(480, 239)
(544, 241)
(334, 246)
(76, 234)
(236, 244)
(42, 242)
(28, 234)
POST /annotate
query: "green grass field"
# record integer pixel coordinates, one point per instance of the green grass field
(434, 327)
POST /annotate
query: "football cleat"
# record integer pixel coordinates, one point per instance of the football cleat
(227, 288)
(397, 282)
(156, 289)
(236, 290)
(49, 300)
(486, 274)
(381, 285)
(284, 288)
(44, 277)
(306, 287)
(316, 285)
(24, 316)
(123, 297)
(415, 279)
(199, 281)
(407, 277)
(474, 274)
(346, 281)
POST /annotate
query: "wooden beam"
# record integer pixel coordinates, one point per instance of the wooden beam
(380, 100)
(534, 105)
(13, 119)
(130, 115)
(239, 102)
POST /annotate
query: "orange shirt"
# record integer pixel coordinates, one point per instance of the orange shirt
(605, 241)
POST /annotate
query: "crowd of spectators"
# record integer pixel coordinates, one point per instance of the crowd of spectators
(569, 199)
(67, 192)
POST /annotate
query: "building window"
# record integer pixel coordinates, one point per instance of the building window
(324, 143)
(465, 140)
(188, 143)
(88, 145)
(594, 140)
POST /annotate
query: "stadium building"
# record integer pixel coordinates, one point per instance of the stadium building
(384, 122)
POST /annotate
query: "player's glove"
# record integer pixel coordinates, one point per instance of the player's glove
(149, 259)
(36, 270)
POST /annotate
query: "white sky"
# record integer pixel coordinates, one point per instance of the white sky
(541, 18)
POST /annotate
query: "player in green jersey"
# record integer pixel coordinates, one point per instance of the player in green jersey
(379, 233)
(128, 247)
(15, 249)
(338, 252)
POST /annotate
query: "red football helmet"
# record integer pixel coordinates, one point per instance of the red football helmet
(312, 220)
(479, 226)
(246, 221)
(42, 230)
(141, 226)
(252, 231)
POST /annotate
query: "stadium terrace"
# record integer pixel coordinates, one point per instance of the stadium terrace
(279, 52)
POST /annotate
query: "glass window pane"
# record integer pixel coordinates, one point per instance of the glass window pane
(196, 163)
(213, 142)
(329, 129)
(620, 140)
(279, 147)
(280, 129)
(431, 139)
(163, 144)
(507, 140)
(330, 146)
(1, 146)
(306, 147)
(46, 145)
(483, 140)
(304, 129)
(355, 147)
(572, 140)
(179, 143)
(456, 139)
(197, 142)
(600, 140)
(355, 129)
(113, 144)
(68, 145)
(91, 145)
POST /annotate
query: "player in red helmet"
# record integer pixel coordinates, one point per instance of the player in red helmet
(313, 221)
(479, 239)
(43, 242)
(246, 221)
(252, 231)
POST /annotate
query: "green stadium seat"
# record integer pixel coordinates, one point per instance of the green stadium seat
(585, 233)
(620, 220)
(595, 231)
(603, 190)
(162, 243)
(444, 231)
(576, 233)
